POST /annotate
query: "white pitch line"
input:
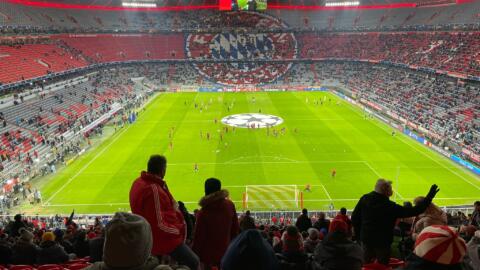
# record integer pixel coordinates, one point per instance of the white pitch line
(87, 165)
(267, 162)
(414, 148)
(441, 164)
(326, 192)
(379, 176)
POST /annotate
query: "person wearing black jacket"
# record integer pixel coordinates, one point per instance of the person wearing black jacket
(303, 221)
(374, 218)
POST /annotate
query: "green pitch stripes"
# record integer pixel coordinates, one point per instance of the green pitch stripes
(317, 139)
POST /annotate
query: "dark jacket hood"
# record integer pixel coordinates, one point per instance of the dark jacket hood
(213, 197)
(337, 243)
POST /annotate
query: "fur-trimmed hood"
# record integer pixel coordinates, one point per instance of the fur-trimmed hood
(213, 197)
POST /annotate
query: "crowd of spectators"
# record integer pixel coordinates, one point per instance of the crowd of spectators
(446, 51)
(18, 19)
(444, 106)
(160, 233)
(43, 129)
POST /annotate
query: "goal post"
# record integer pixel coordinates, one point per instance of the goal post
(272, 197)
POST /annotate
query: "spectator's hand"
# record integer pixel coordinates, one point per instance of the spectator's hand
(433, 191)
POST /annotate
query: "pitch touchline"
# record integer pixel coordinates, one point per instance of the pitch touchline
(414, 148)
(87, 165)
(98, 154)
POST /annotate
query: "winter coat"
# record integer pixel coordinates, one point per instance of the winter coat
(81, 248)
(346, 219)
(51, 253)
(309, 244)
(416, 263)
(96, 249)
(5, 252)
(432, 216)
(337, 252)
(303, 223)
(249, 250)
(475, 219)
(15, 227)
(246, 223)
(24, 252)
(216, 226)
(67, 245)
(151, 199)
(375, 215)
(151, 263)
(473, 251)
(322, 225)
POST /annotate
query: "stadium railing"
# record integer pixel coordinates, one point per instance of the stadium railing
(261, 217)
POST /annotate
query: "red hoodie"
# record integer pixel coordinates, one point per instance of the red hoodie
(150, 198)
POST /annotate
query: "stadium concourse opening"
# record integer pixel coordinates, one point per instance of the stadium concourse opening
(331, 134)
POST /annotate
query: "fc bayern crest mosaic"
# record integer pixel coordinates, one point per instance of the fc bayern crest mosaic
(252, 120)
(237, 46)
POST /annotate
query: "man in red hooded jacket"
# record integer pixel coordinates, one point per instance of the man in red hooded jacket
(151, 199)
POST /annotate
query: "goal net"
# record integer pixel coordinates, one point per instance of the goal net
(271, 197)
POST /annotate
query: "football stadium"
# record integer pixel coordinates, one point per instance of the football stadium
(225, 134)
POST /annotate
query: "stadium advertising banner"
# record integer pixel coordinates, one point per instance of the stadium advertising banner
(414, 136)
(440, 150)
(210, 89)
(466, 164)
(471, 155)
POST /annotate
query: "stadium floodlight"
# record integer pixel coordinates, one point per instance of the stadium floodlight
(342, 4)
(139, 5)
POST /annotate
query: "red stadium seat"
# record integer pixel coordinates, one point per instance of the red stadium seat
(76, 261)
(375, 266)
(394, 263)
(22, 267)
(77, 266)
(50, 267)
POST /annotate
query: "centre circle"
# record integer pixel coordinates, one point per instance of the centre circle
(252, 120)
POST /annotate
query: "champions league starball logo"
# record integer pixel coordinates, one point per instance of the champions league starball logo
(236, 47)
(252, 120)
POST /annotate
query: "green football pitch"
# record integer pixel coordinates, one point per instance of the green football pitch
(261, 5)
(268, 171)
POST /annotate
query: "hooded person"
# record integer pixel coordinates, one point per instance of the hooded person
(437, 247)
(246, 221)
(128, 243)
(473, 251)
(5, 249)
(249, 250)
(151, 199)
(25, 251)
(50, 251)
(292, 247)
(67, 245)
(17, 225)
(81, 244)
(433, 215)
(311, 242)
(216, 224)
(336, 251)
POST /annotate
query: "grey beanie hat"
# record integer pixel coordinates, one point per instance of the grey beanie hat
(128, 241)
